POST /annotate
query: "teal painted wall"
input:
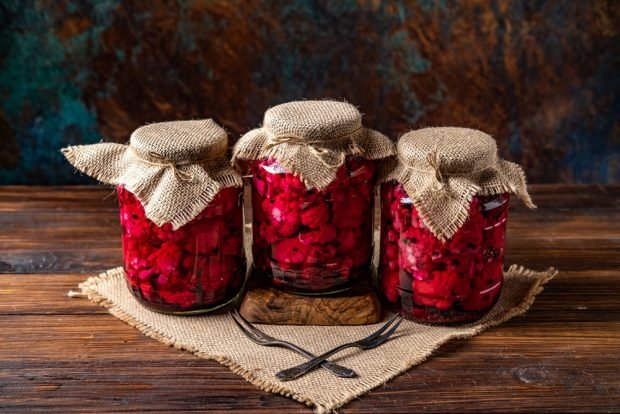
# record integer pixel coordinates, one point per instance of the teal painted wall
(540, 76)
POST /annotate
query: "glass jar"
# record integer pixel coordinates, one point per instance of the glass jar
(197, 268)
(431, 281)
(311, 241)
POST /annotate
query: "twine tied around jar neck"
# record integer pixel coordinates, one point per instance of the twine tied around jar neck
(443, 168)
(161, 167)
(318, 152)
(156, 159)
(433, 160)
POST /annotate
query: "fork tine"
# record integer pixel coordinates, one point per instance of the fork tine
(266, 340)
(244, 330)
(234, 318)
(383, 328)
(252, 327)
(369, 342)
(378, 341)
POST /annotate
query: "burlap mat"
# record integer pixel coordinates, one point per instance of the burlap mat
(216, 337)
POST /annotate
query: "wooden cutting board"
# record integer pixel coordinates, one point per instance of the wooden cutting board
(265, 304)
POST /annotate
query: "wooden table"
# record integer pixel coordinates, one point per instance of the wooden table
(71, 355)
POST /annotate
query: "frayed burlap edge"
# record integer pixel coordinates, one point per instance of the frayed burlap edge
(218, 175)
(89, 289)
(300, 159)
(444, 219)
(222, 180)
(537, 287)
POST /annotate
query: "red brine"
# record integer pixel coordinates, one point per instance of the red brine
(194, 268)
(312, 241)
(455, 281)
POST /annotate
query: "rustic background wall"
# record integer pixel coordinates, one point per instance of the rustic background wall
(540, 76)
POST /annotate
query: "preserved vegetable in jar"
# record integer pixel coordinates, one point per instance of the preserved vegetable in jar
(180, 211)
(444, 209)
(314, 170)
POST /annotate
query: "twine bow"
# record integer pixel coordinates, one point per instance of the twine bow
(161, 161)
(433, 160)
(318, 152)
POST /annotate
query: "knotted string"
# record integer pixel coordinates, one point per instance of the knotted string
(159, 160)
(318, 152)
(433, 160)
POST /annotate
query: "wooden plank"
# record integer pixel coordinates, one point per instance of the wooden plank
(71, 229)
(19, 198)
(60, 259)
(40, 294)
(64, 198)
(87, 258)
(26, 227)
(37, 294)
(93, 362)
(94, 249)
(61, 354)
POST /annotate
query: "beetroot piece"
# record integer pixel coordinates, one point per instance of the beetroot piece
(455, 281)
(312, 241)
(193, 268)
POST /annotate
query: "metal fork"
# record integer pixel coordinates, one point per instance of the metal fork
(372, 341)
(261, 338)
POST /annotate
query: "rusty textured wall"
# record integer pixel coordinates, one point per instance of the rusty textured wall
(540, 76)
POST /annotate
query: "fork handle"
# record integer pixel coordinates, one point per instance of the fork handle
(338, 370)
(299, 370)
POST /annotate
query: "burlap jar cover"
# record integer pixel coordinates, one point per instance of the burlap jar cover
(311, 139)
(174, 168)
(442, 169)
